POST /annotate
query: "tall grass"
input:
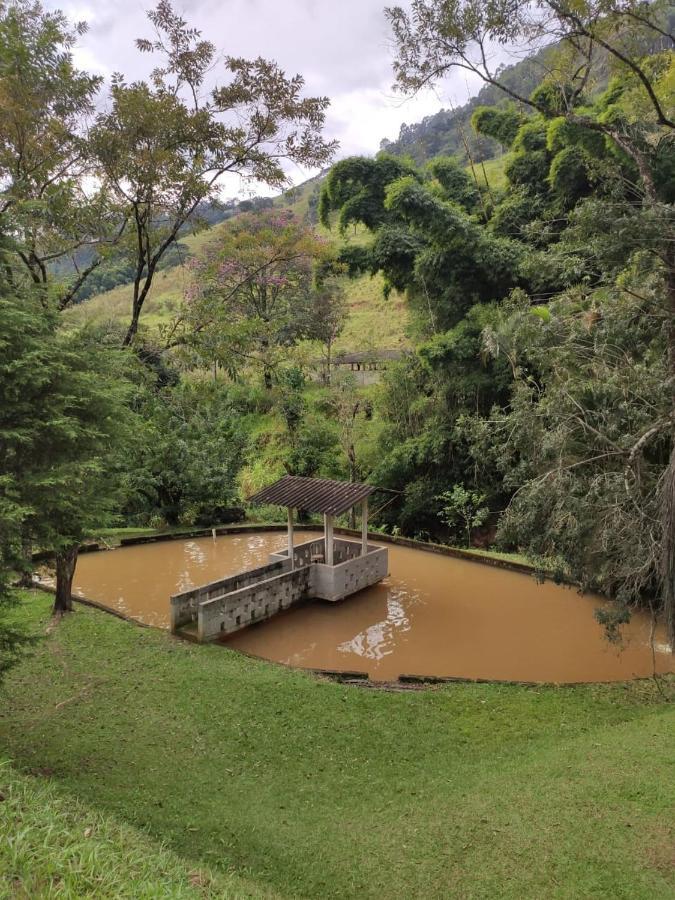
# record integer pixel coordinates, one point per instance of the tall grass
(54, 846)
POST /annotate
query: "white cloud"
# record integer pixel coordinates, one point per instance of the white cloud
(342, 49)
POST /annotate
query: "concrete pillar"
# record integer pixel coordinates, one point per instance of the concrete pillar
(328, 538)
(290, 537)
(364, 527)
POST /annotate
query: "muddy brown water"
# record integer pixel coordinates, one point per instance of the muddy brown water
(434, 615)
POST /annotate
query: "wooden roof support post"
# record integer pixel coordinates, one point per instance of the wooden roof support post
(328, 538)
(364, 527)
(290, 537)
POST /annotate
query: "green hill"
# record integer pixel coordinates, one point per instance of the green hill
(373, 322)
(449, 132)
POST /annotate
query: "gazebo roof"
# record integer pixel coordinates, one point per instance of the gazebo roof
(318, 495)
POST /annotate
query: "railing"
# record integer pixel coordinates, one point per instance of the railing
(314, 551)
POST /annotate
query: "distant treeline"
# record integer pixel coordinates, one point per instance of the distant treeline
(118, 269)
(449, 132)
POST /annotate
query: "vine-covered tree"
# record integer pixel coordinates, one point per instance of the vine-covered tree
(426, 240)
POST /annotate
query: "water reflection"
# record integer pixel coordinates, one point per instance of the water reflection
(382, 638)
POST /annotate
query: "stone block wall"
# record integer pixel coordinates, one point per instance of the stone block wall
(185, 606)
(350, 576)
(224, 615)
(303, 553)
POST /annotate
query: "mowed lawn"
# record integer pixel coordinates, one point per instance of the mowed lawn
(286, 785)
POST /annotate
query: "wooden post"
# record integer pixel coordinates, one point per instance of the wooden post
(364, 527)
(290, 537)
(328, 538)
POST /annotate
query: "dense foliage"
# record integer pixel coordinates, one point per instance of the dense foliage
(543, 381)
(252, 293)
(64, 415)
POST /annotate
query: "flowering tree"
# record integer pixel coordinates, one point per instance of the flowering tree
(163, 146)
(251, 292)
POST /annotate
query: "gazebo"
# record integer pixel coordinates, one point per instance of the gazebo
(318, 495)
(326, 568)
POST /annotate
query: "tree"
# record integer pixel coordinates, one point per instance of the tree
(584, 444)
(164, 146)
(356, 188)
(464, 507)
(12, 511)
(637, 120)
(185, 467)
(328, 314)
(426, 241)
(435, 37)
(63, 416)
(54, 214)
(251, 292)
(425, 401)
(351, 409)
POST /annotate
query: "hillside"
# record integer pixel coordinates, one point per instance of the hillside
(372, 323)
(449, 132)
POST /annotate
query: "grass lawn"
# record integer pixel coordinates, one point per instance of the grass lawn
(55, 846)
(306, 788)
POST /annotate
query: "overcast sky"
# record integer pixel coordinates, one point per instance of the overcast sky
(343, 49)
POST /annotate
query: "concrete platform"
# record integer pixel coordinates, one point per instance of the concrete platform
(230, 604)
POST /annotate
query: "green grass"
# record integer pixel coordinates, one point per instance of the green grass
(491, 173)
(373, 322)
(498, 554)
(55, 846)
(312, 789)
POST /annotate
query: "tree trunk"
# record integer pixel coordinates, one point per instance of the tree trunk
(26, 577)
(668, 548)
(667, 494)
(66, 560)
(351, 453)
(133, 325)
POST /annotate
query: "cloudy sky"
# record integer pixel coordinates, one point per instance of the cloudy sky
(343, 49)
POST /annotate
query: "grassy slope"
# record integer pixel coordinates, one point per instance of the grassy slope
(372, 323)
(491, 173)
(314, 789)
(54, 845)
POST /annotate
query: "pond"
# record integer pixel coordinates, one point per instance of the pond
(434, 615)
